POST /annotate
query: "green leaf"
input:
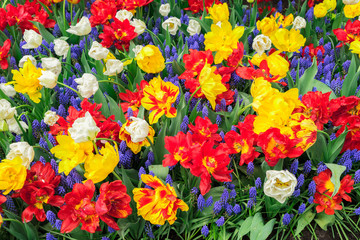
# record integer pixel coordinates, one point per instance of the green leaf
(303, 221)
(318, 152)
(99, 98)
(116, 110)
(306, 81)
(350, 82)
(266, 230)
(85, 63)
(256, 226)
(159, 171)
(336, 171)
(44, 32)
(245, 227)
(160, 150)
(335, 146)
(216, 193)
(324, 220)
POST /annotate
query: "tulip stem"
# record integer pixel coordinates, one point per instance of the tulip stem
(117, 176)
(62, 84)
(23, 106)
(47, 49)
(72, 67)
(192, 95)
(11, 220)
(96, 149)
(64, 16)
(107, 139)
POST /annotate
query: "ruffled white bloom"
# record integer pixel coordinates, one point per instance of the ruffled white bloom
(8, 90)
(14, 126)
(137, 49)
(164, 9)
(84, 129)
(139, 25)
(138, 129)
(25, 58)
(261, 43)
(194, 27)
(32, 39)
(350, 2)
(97, 51)
(123, 15)
(172, 24)
(279, 184)
(6, 111)
(48, 79)
(51, 64)
(22, 150)
(299, 23)
(113, 67)
(61, 47)
(83, 27)
(50, 118)
(88, 85)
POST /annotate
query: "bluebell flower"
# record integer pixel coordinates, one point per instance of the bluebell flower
(217, 207)
(220, 221)
(205, 230)
(311, 200)
(148, 230)
(236, 209)
(302, 208)
(321, 167)
(225, 196)
(252, 192)
(296, 193)
(300, 180)
(357, 211)
(51, 217)
(49, 236)
(294, 166)
(209, 201)
(201, 203)
(258, 183)
(250, 168)
(312, 188)
(195, 190)
(58, 224)
(205, 112)
(357, 177)
(287, 219)
(10, 206)
(169, 180)
(307, 167)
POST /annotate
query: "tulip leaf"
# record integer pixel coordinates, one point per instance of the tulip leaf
(303, 221)
(336, 171)
(245, 226)
(306, 82)
(99, 98)
(350, 82)
(266, 230)
(324, 220)
(116, 110)
(335, 146)
(159, 171)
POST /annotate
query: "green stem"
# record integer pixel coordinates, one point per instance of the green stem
(96, 149)
(72, 67)
(71, 12)
(62, 84)
(47, 49)
(107, 139)
(115, 174)
(23, 106)
(11, 220)
(192, 95)
(64, 16)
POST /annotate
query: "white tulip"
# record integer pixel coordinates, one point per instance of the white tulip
(97, 51)
(50, 118)
(61, 47)
(88, 85)
(6, 111)
(299, 23)
(137, 49)
(22, 150)
(51, 64)
(113, 67)
(48, 79)
(25, 58)
(32, 39)
(194, 27)
(261, 43)
(139, 25)
(82, 28)
(164, 9)
(84, 129)
(279, 184)
(350, 2)
(138, 129)
(8, 90)
(172, 24)
(123, 15)
(14, 126)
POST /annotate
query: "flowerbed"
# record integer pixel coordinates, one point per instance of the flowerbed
(179, 119)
